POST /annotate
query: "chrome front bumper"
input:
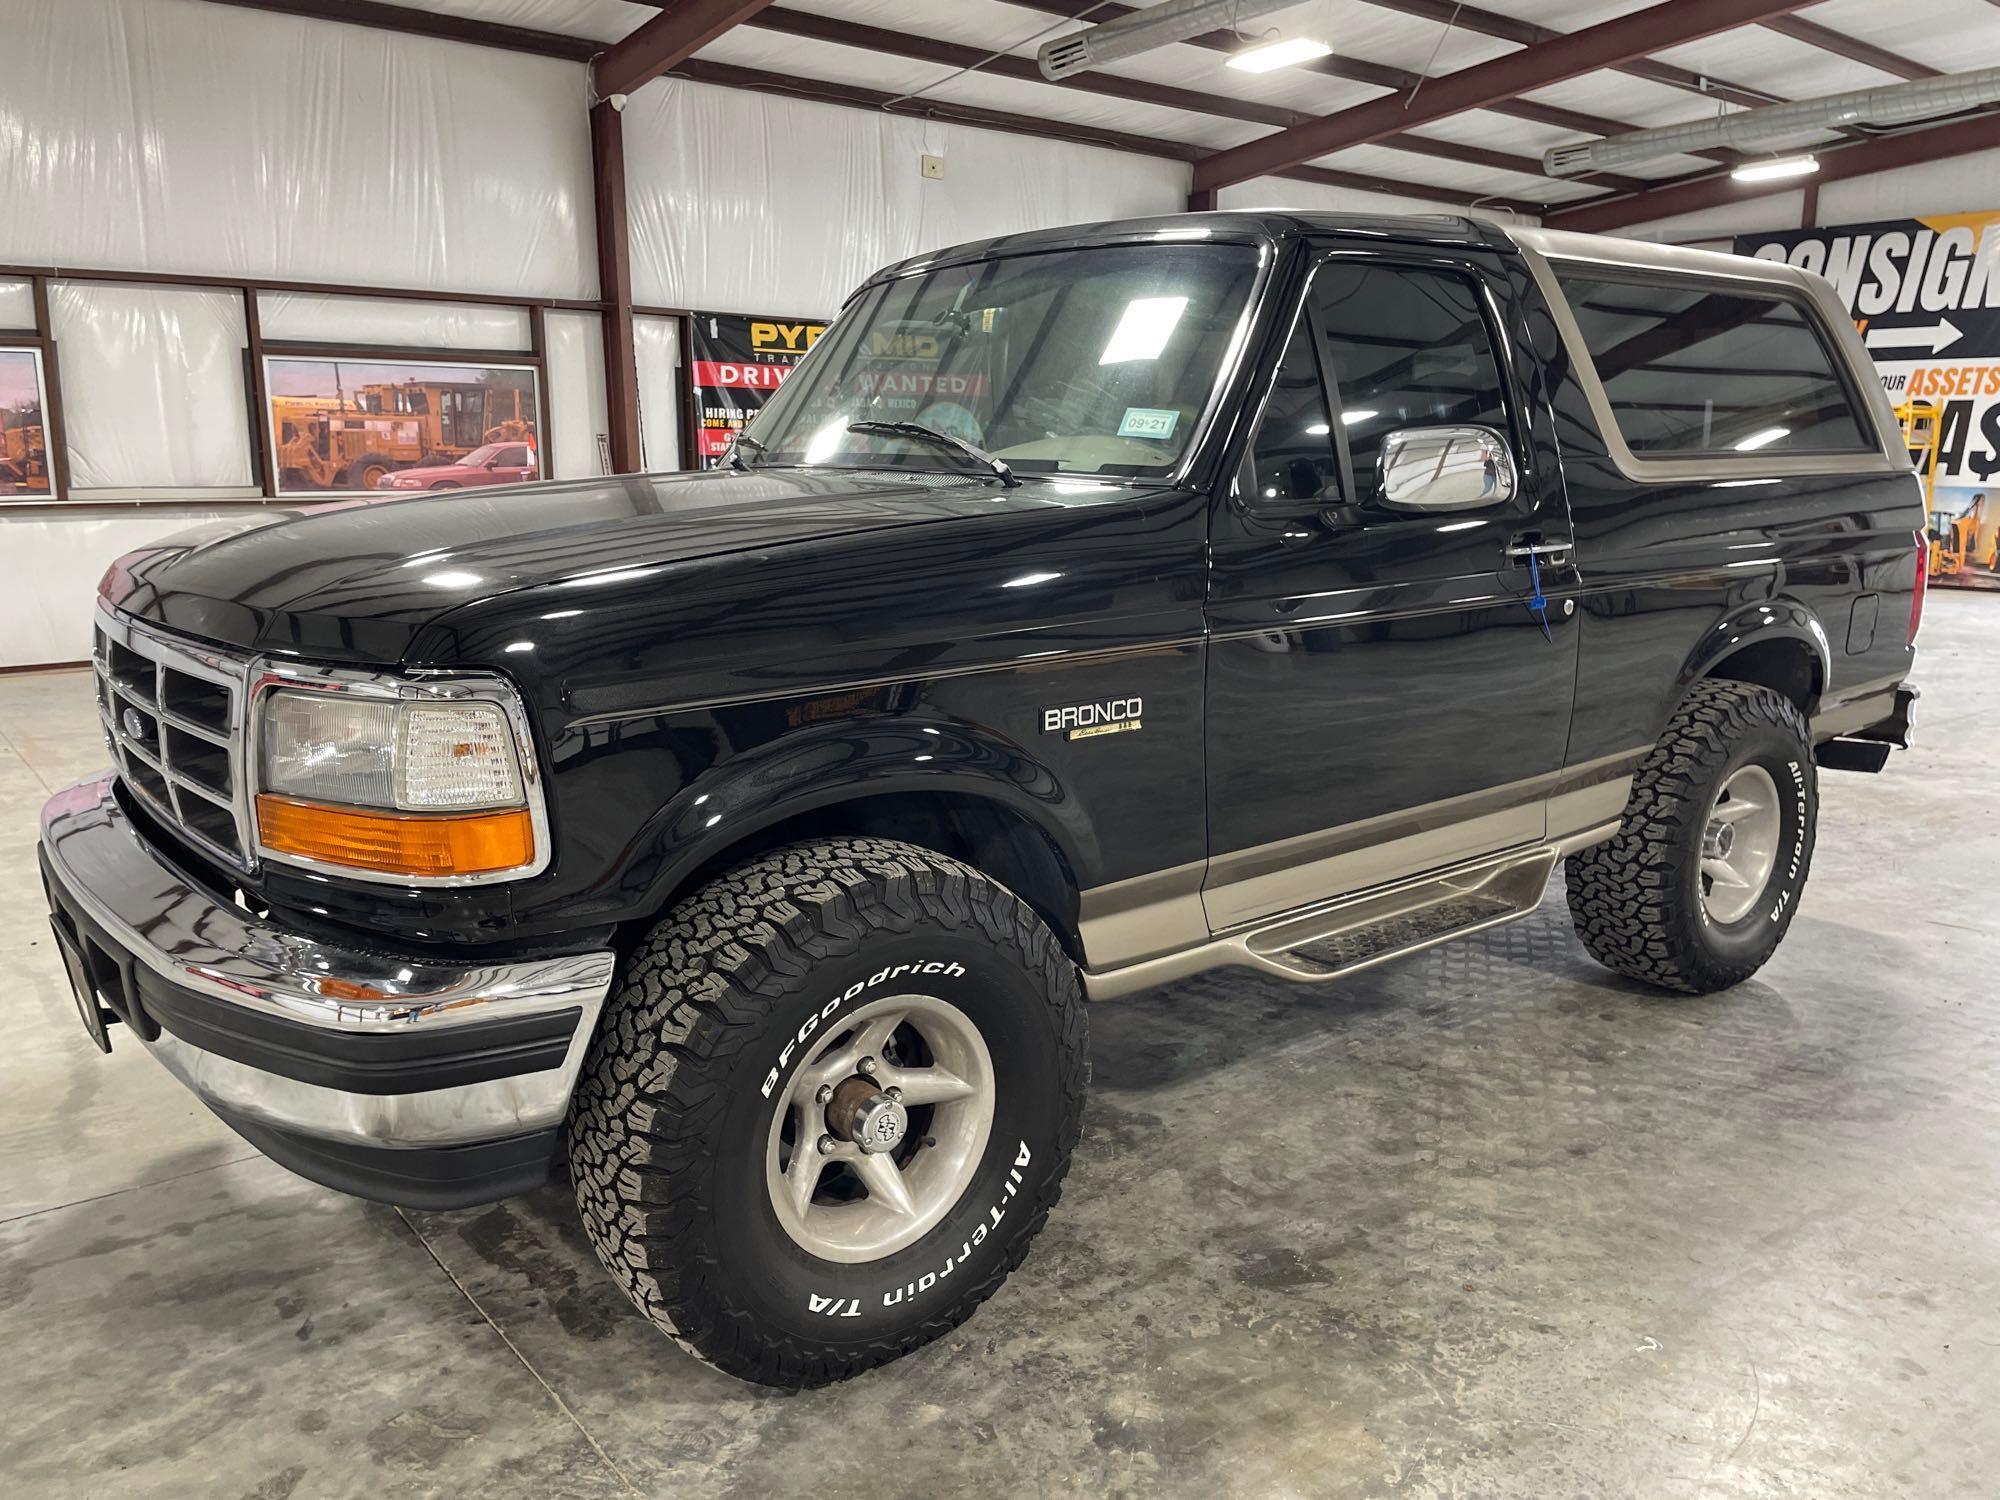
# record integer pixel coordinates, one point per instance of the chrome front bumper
(279, 1032)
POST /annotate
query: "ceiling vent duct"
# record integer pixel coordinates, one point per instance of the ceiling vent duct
(1143, 30)
(1774, 124)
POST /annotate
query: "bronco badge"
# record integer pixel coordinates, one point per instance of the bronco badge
(1083, 721)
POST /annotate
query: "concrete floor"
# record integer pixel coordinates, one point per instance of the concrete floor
(1486, 1222)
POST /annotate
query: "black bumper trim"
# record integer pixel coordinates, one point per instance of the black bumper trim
(427, 1177)
(356, 1062)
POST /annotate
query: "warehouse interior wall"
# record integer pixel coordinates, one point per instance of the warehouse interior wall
(745, 202)
(179, 137)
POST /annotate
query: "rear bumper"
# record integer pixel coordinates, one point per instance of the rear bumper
(405, 1079)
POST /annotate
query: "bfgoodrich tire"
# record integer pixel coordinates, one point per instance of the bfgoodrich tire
(723, 1179)
(1702, 881)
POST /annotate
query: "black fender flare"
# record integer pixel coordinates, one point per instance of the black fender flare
(1756, 622)
(822, 766)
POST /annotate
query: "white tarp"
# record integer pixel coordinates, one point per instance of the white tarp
(658, 347)
(290, 317)
(17, 307)
(178, 135)
(578, 426)
(746, 202)
(152, 381)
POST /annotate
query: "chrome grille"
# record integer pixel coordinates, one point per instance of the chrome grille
(173, 716)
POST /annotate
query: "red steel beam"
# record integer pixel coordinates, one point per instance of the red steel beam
(614, 285)
(916, 48)
(1688, 195)
(679, 31)
(727, 75)
(1850, 47)
(1354, 70)
(1531, 34)
(1601, 46)
(410, 21)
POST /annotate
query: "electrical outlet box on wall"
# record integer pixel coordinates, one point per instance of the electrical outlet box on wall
(933, 166)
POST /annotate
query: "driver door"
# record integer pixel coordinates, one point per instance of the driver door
(1383, 698)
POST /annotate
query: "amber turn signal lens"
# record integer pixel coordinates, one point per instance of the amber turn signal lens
(398, 843)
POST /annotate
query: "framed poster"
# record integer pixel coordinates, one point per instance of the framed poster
(342, 425)
(24, 458)
(734, 363)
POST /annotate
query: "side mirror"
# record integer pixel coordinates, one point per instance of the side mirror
(1446, 468)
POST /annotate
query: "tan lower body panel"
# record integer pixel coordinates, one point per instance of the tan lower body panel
(1153, 928)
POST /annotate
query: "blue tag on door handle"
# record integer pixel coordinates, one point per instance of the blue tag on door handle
(1538, 604)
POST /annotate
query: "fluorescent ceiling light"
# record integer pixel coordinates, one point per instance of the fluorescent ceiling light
(1282, 53)
(1349, 418)
(1763, 439)
(1318, 429)
(1144, 329)
(1771, 171)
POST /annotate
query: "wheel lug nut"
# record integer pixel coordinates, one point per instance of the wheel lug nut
(825, 1093)
(866, 1065)
(896, 1094)
(826, 1145)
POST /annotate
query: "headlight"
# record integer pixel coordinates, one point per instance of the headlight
(426, 789)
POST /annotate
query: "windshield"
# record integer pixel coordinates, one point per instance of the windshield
(479, 457)
(1079, 361)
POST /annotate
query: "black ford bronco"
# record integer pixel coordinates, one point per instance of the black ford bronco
(1089, 609)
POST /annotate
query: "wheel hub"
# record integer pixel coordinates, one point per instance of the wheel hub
(881, 1128)
(862, 1113)
(1739, 844)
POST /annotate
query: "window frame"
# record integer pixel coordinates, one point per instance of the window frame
(1777, 296)
(1306, 309)
(1758, 281)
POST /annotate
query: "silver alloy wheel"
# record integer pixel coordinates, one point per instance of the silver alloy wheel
(905, 1191)
(1739, 845)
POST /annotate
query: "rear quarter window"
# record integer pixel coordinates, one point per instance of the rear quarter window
(1690, 367)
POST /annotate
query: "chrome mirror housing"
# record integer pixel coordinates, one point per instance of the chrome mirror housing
(1446, 468)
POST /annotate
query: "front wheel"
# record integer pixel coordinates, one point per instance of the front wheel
(831, 1103)
(1697, 889)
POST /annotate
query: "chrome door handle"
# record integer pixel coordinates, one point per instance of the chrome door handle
(1553, 553)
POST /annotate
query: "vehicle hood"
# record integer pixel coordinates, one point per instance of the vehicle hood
(355, 580)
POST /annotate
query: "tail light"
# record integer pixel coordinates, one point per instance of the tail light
(1923, 579)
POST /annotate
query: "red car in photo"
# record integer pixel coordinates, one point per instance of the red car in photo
(493, 463)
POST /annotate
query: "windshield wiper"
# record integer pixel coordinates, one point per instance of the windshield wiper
(737, 460)
(944, 439)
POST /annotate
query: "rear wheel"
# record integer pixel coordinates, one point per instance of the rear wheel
(365, 471)
(1697, 889)
(831, 1104)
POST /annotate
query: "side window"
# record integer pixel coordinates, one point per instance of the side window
(1692, 369)
(1294, 453)
(1410, 349)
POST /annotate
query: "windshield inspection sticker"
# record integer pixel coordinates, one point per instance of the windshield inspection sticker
(1148, 422)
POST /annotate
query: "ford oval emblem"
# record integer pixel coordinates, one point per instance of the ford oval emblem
(135, 723)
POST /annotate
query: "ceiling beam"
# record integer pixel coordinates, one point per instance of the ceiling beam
(679, 31)
(1693, 194)
(1530, 34)
(726, 75)
(915, 48)
(1850, 47)
(1602, 46)
(1354, 70)
(409, 21)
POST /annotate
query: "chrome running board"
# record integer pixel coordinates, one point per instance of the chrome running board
(1332, 939)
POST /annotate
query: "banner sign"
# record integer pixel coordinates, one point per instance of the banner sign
(1925, 294)
(734, 363)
